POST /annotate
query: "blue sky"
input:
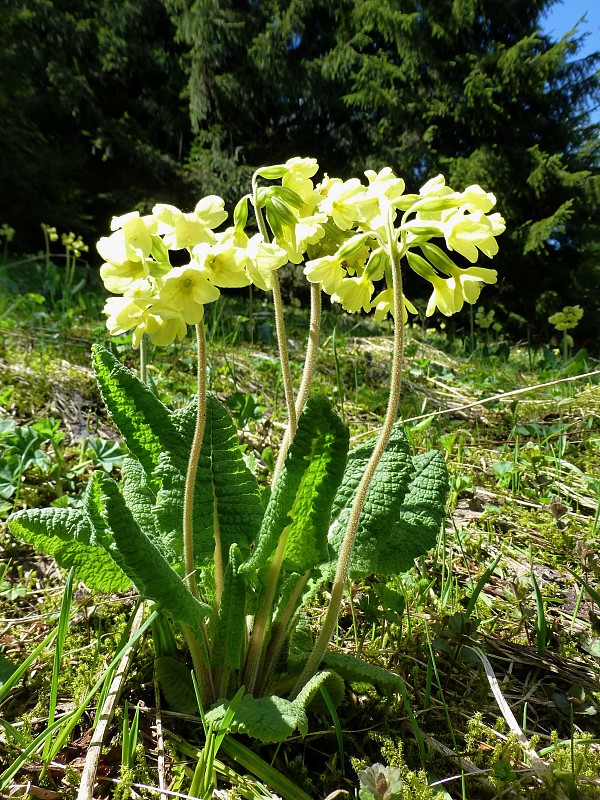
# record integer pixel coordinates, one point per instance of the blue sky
(564, 16)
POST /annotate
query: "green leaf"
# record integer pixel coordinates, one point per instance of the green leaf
(300, 504)
(310, 695)
(354, 670)
(7, 669)
(403, 510)
(175, 680)
(382, 504)
(144, 422)
(268, 719)
(227, 497)
(422, 513)
(231, 618)
(138, 495)
(9, 477)
(68, 536)
(144, 562)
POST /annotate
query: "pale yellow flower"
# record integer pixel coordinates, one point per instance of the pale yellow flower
(435, 187)
(384, 305)
(385, 182)
(126, 312)
(447, 296)
(262, 259)
(186, 290)
(307, 230)
(299, 174)
(223, 264)
(566, 319)
(180, 230)
(468, 233)
(118, 277)
(354, 294)
(131, 240)
(344, 202)
(471, 279)
(163, 324)
(327, 271)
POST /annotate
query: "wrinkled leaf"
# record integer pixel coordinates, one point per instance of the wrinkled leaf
(69, 537)
(300, 504)
(268, 719)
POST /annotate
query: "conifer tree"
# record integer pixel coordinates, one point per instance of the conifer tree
(470, 88)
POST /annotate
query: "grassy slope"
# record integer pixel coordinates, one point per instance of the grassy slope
(525, 490)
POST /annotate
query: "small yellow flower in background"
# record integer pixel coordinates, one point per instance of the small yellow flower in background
(484, 319)
(73, 244)
(566, 319)
(8, 234)
(50, 232)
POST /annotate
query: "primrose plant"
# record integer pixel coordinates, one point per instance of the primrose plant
(188, 525)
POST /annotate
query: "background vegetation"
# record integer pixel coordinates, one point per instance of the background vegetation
(108, 106)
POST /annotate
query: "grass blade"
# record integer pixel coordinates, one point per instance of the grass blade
(61, 636)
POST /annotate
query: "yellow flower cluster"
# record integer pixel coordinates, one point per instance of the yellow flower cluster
(71, 243)
(566, 319)
(370, 214)
(6, 232)
(344, 232)
(160, 299)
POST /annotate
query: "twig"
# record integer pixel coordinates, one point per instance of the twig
(482, 402)
(88, 776)
(160, 742)
(538, 765)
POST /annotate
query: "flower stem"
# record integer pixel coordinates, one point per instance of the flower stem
(312, 348)
(343, 564)
(190, 479)
(310, 363)
(143, 359)
(199, 658)
(281, 336)
(283, 355)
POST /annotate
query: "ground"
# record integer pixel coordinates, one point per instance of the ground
(507, 601)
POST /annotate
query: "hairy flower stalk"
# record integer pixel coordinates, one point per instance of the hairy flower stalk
(279, 326)
(261, 654)
(310, 363)
(200, 663)
(341, 573)
(143, 359)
